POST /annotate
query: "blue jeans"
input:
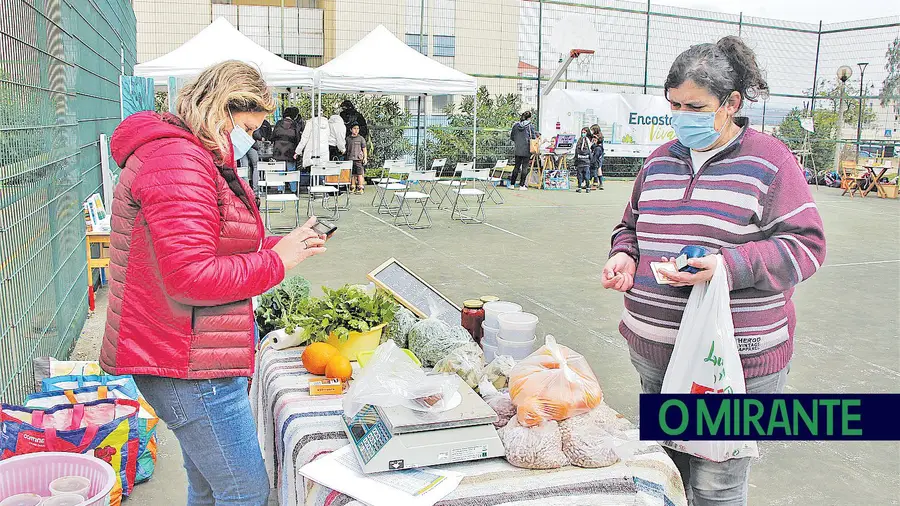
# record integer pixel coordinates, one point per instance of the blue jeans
(291, 167)
(214, 426)
(709, 483)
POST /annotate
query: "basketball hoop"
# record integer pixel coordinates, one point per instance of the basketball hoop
(582, 59)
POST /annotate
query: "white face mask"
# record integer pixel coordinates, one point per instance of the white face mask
(241, 141)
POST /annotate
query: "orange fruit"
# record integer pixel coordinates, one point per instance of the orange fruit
(338, 368)
(316, 356)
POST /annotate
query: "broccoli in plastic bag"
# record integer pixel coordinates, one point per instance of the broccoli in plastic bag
(398, 328)
(432, 339)
(467, 361)
(553, 383)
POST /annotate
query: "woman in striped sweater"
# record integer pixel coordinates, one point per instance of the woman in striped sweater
(738, 193)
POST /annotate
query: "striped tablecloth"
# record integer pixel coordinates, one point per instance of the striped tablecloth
(295, 428)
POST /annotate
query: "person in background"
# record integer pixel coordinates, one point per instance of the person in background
(582, 162)
(337, 137)
(738, 193)
(597, 155)
(285, 137)
(357, 151)
(189, 252)
(521, 134)
(251, 159)
(353, 117)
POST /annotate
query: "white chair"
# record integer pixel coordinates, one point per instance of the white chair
(453, 182)
(340, 167)
(469, 175)
(437, 165)
(385, 205)
(279, 179)
(406, 196)
(385, 177)
(317, 188)
(243, 173)
(492, 181)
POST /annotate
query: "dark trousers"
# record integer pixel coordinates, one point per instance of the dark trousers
(584, 175)
(520, 170)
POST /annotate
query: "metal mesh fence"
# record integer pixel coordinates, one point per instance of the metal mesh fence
(60, 62)
(513, 46)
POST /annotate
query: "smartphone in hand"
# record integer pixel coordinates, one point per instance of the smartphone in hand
(324, 228)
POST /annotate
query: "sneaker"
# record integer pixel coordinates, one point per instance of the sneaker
(514, 187)
(577, 190)
(523, 188)
(587, 190)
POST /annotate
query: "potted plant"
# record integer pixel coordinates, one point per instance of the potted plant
(349, 318)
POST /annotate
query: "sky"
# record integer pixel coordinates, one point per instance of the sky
(810, 11)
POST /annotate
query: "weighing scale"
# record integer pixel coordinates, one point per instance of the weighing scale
(394, 438)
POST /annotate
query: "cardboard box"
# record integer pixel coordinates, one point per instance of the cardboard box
(326, 386)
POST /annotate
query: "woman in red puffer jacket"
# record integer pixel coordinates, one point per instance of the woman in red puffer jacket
(188, 252)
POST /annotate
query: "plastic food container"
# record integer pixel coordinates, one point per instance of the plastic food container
(63, 500)
(22, 500)
(490, 352)
(516, 350)
(517, 327)
(489, 335)
(33, 473)
(493, 309)
(70, 485)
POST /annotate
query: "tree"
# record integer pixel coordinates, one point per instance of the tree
(830, 90)
(890, 88)
(495, 117)
(821, 141)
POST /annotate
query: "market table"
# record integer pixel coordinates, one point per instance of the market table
(876, 179)
(295, 428)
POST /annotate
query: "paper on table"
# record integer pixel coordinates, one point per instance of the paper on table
(340, 471)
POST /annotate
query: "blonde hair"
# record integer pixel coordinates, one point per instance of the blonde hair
(206, 103)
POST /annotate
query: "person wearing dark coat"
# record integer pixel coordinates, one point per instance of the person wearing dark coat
(521, 134)
(583, 151)
(353, 117)
(285, 137)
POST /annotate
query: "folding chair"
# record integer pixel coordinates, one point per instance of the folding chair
(243, 173)
(390, 184)
(469, 175)
(407, 196)
(851, 178)
(317, 188)
(340, 167)
(453, 182)
(279, 179)
(492, 181)
(385, 177)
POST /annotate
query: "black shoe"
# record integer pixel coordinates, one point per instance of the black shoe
(577, 190)
(587, 190)
(601, 187)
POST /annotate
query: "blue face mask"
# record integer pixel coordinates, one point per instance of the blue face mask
(241, 141)
(696, 130)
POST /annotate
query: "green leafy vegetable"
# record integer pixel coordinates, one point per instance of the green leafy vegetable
(282, 300)
(342, 311)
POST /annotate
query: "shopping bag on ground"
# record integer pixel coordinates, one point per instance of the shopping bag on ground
(63, 383)
(706, 361)
(106, 429)
(147, 419)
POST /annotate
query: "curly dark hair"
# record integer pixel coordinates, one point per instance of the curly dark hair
(721, 68)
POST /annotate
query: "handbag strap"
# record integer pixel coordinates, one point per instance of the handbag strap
(37, 418)
(77, 416)
(51, 439)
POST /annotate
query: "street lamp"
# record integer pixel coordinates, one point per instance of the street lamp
(862, 73)
(843, 74)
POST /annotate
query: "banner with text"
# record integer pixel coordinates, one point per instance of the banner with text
(632, 125)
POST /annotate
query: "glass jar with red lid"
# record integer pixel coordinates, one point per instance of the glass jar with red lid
(473, 317)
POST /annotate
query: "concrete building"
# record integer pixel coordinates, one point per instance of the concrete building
(463, 34)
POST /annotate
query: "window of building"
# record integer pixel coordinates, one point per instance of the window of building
(412, 40)
(444, 45)
(305, 60)
(308, 4)
(440, 102)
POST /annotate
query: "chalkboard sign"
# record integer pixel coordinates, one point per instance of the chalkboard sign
(414, 293)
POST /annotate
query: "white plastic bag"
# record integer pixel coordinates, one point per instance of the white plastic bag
(391, 378)
(706, 360)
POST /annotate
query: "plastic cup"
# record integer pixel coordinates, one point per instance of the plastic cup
(63, 500)
(493, 309)
(22, 500)
(70, 485)
(489, 352)
(517, 327)
(516, 350)
(489, 335)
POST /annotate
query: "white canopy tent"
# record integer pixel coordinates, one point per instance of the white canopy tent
(216, 43)
(382, 63)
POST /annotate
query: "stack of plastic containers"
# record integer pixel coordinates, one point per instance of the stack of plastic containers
(55, 479)
(491, 325)
(517, 334)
